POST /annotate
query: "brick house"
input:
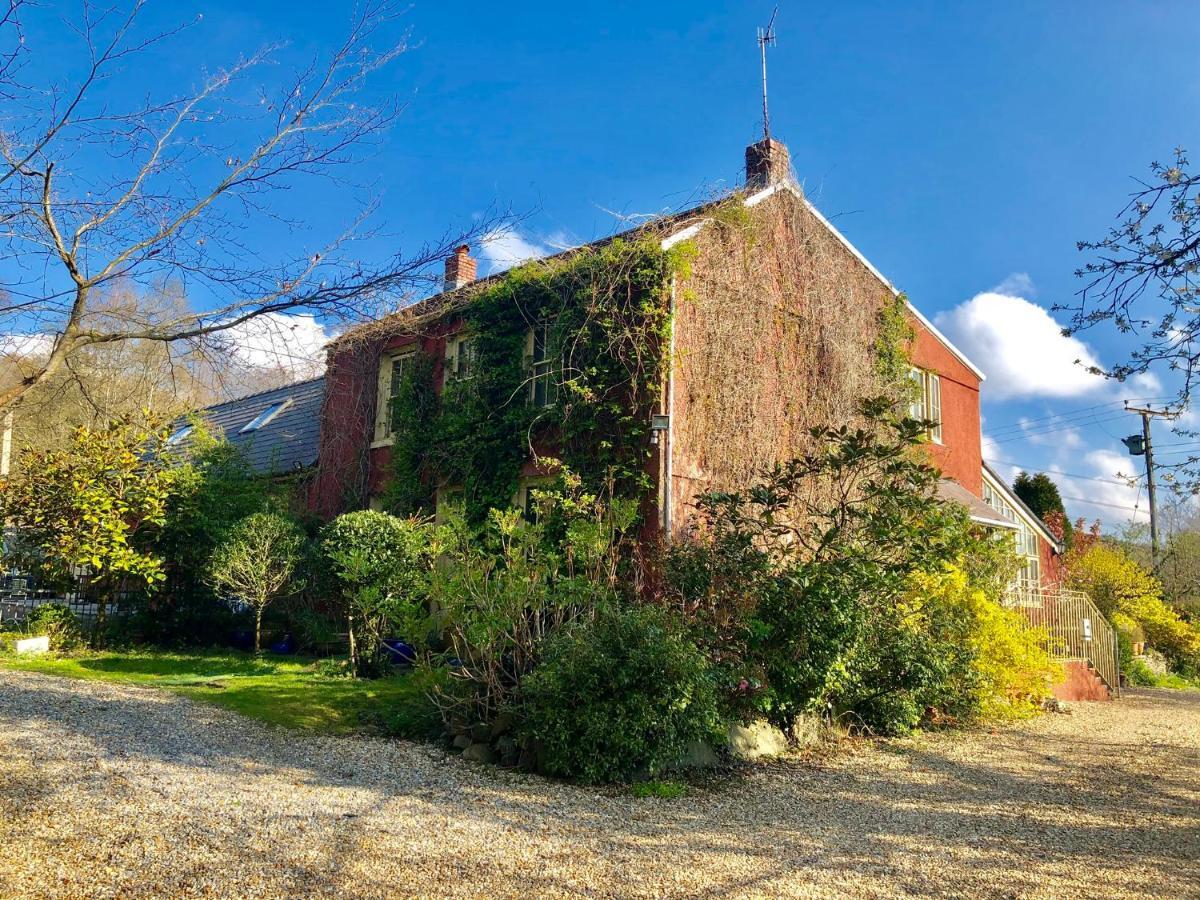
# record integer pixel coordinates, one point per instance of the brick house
(767, 337)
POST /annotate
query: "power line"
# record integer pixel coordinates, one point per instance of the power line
(1099, 503)
(1009, 462)
(1026, 422)
(1053, 430)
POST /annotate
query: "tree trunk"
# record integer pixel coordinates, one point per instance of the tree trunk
(354, 668)
(258, 614)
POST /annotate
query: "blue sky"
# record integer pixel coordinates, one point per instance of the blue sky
(963, 147)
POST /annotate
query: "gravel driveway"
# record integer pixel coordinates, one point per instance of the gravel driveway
(120, 791)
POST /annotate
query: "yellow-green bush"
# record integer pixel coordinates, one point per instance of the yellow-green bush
(1120, 586)
(1012, 671)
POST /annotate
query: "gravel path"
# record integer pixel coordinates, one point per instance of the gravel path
(121, 791)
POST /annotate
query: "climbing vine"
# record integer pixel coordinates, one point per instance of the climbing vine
(602, 318)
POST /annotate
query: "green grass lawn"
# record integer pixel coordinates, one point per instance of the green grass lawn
(280, 690)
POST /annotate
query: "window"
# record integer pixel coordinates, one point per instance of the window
(543, 388)
(392, 370)
(179, 436)
(460, 359)
(1030, 575)
(927, 401)
(524, 500)
(264, 417)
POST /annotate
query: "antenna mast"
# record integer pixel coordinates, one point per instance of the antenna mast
(766, 38)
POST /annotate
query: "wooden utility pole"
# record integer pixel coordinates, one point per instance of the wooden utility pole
(1147, 450)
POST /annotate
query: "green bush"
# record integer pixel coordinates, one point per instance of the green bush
(795, 586)
(57, 622)
(622, 695)
(1138, 673)
(382, 564)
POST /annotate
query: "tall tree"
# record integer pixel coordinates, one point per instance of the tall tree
(1040, 494)
(179, 187)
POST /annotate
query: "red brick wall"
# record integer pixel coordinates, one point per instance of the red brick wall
(960, 455)
(350, 471)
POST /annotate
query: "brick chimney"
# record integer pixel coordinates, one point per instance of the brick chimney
(460, 268)
(766, 163)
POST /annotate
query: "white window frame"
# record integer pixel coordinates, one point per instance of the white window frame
(387, 381)
(525, 485)
(927, 405)
(1028, 541)
(266, 417)
(541, 371)
(460, 359)
(181, 434)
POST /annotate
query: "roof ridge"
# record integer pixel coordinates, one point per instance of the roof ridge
(251, 396)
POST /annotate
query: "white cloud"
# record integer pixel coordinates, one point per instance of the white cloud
(1147, 382)
(292, 343)
(26, 345)
(1020, 346)
(1051, 433)
(504, 248)
(1018, 284)
(1104, 495)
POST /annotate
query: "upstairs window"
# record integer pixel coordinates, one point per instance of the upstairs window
(264, 418)
(460, 359)
(926, 404)
(392, 371)
(543, 388)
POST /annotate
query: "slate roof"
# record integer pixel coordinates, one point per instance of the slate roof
(288, 442)
(980, 512)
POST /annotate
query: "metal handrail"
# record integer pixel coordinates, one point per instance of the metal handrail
(1074, 626)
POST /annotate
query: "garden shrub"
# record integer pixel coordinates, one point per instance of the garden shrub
(56, 621)
(382, 564)
(1137, 673)
(99, 503)
(619, 696)
(1011, 671)
(797, 587)
(505, 588)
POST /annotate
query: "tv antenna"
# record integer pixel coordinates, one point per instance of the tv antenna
(766, 38)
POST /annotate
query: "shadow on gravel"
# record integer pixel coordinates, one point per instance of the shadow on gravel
(1032, 805)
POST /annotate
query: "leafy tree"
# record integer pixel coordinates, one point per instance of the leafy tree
(383, 563)
(257, 563)
(1041, 495)
(1140, 280)
(99, 505)
(218, 490)
(1119, 585)
(824, 547)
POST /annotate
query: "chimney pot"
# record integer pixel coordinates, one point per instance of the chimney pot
(460, 268)
(766, 163)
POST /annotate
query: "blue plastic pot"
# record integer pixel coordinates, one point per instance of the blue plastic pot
(400, 653)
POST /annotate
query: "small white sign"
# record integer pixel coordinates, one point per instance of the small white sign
(1087, 629)
(34, 645)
